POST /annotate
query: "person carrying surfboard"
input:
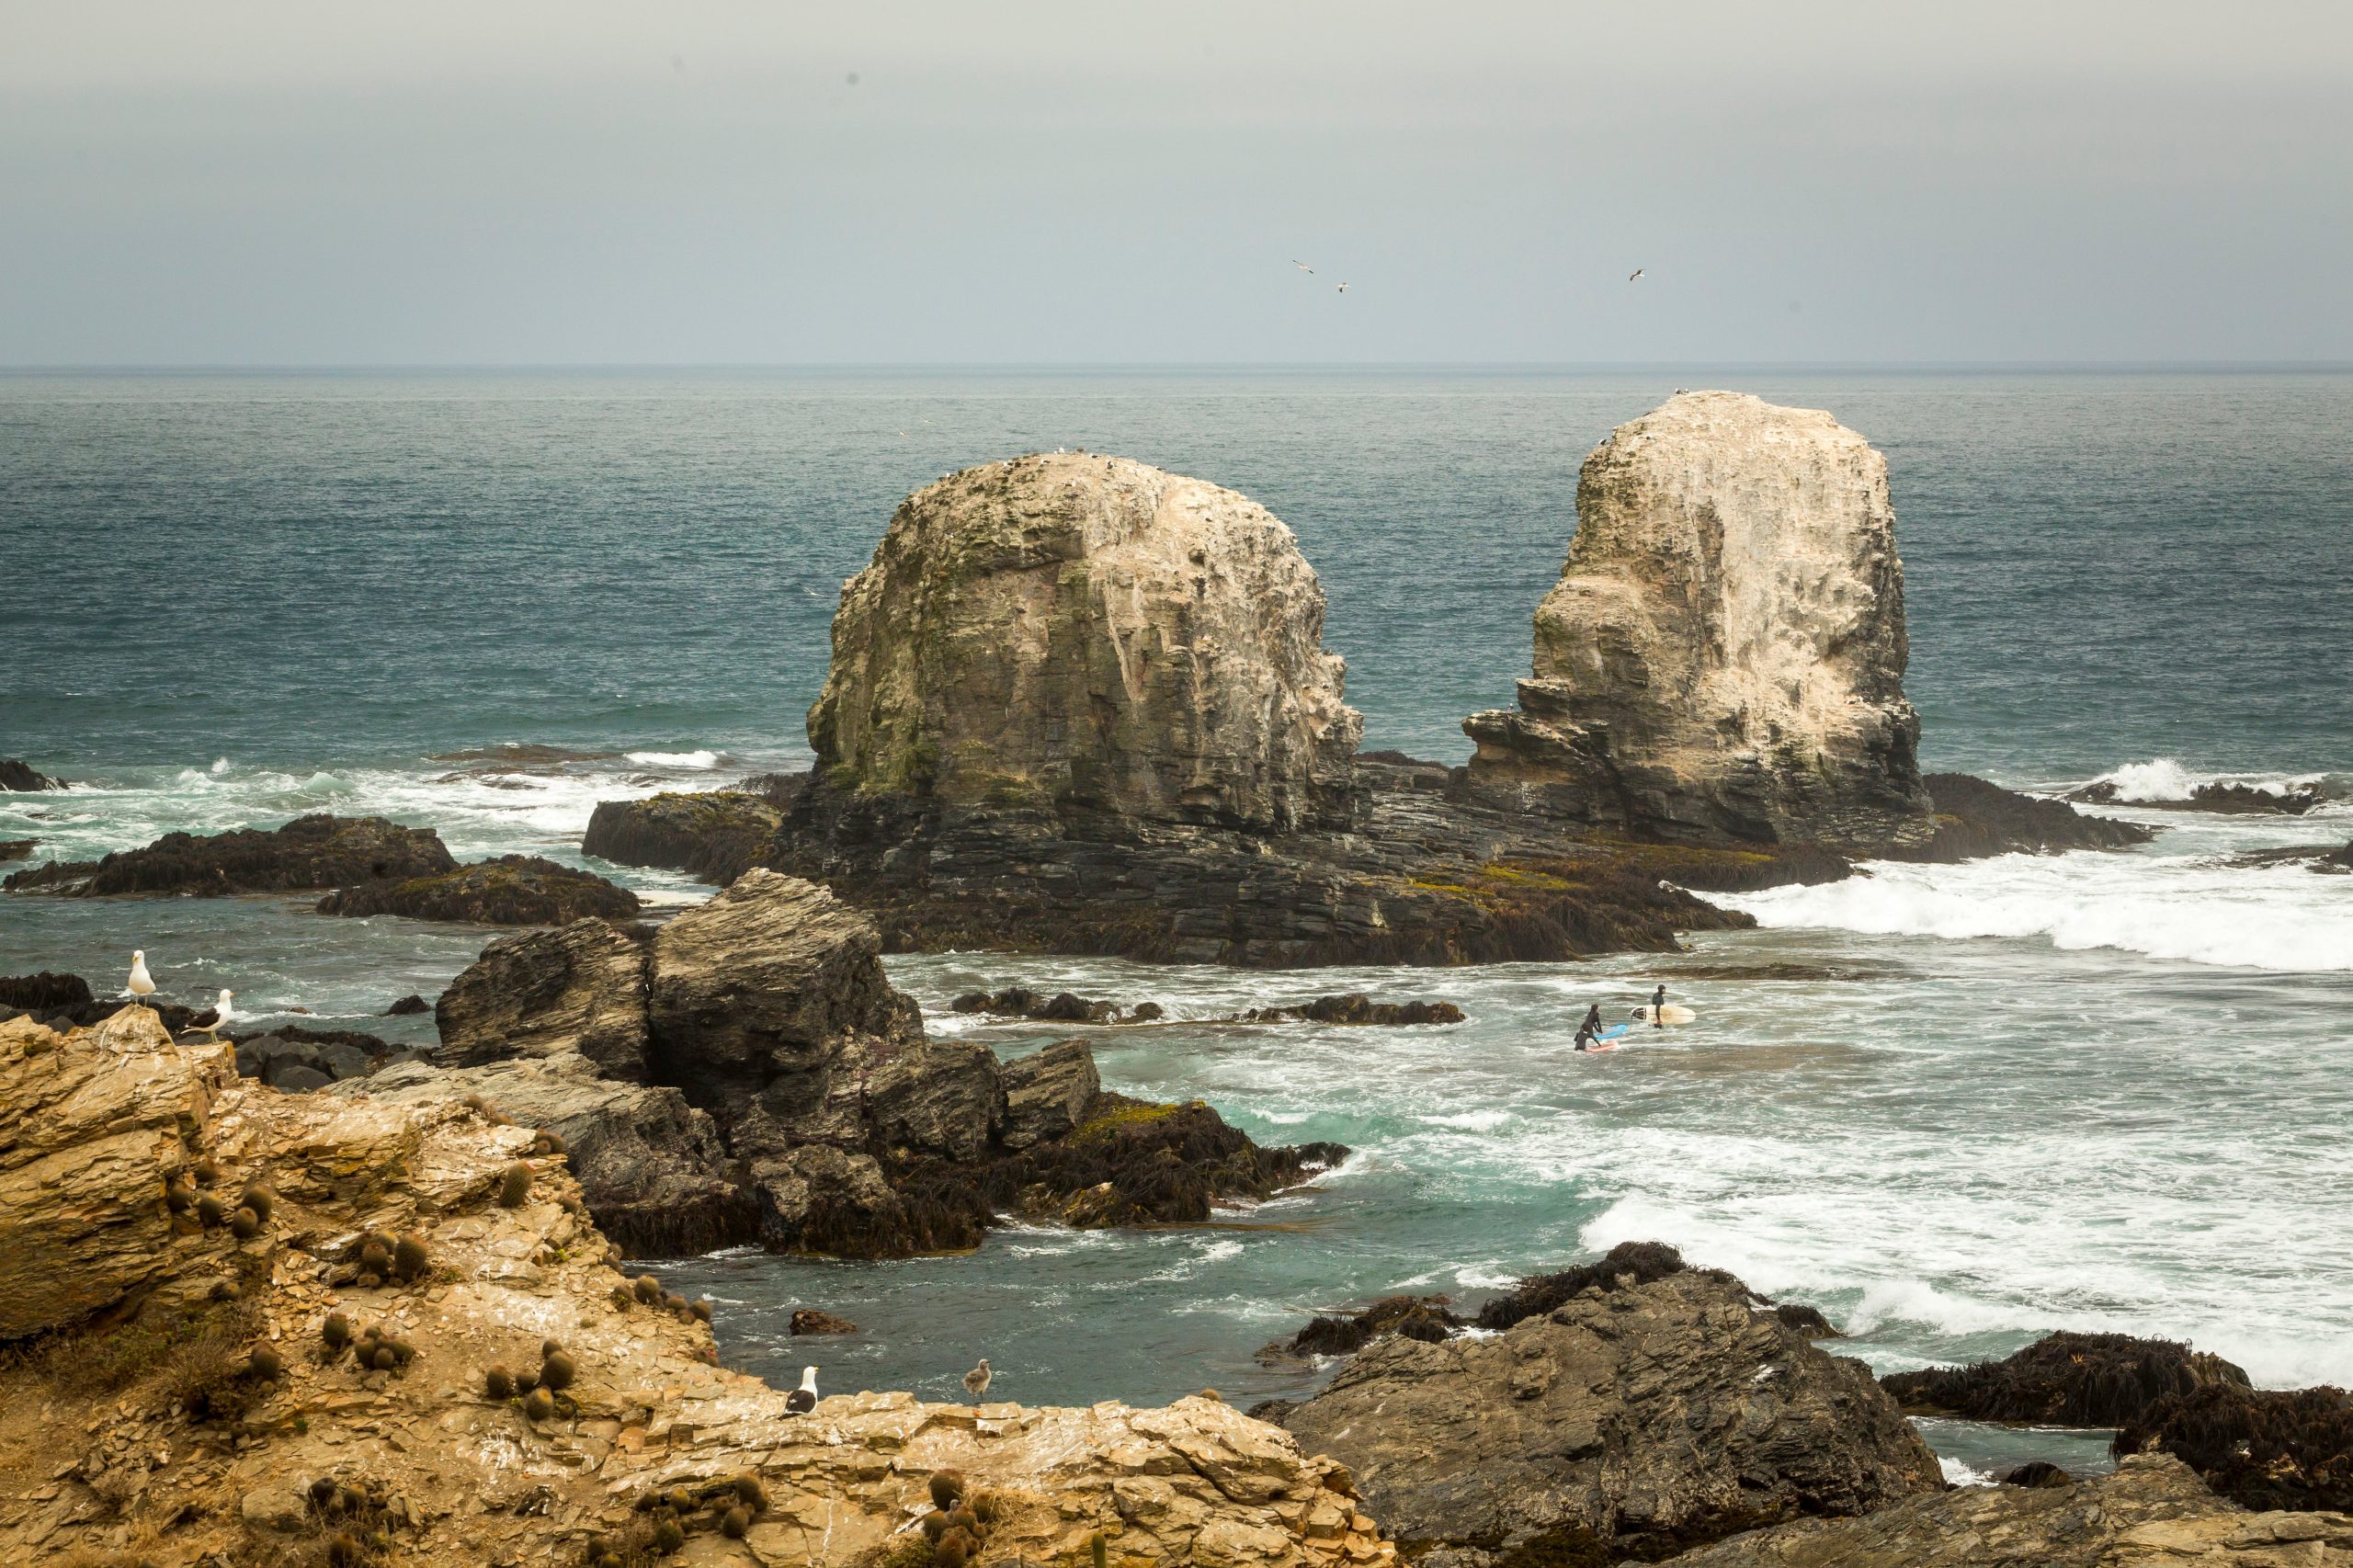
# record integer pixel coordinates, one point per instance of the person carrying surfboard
(1590, 1030)
(1658, 1008)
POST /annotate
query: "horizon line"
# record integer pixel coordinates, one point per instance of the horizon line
(1066, 367)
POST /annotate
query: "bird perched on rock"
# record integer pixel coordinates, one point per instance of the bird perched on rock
(222, 1015)
(141, 984)
(976, 1381)
(802, 1400)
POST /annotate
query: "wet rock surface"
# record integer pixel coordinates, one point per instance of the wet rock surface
(1723, 658)
(1636, 1418)
(1975, 818)
(801, 1105)
(20, 775)
(2066, 1380)
(511, 890)
(318, 851)
(2152, 1511)
(1427, 1318)
(188, 1394)
(2261, 1447)
(2230, 799)
(17, 848)
(715, 834)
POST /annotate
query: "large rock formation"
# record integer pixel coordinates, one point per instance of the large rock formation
(316, 851)
(714, 834)
(183, 1405)
(1636, 1418)
(2066, 1379)
(1094, 635)
(508, 890)
(1723, 657)
(2152, 1513)
(746, 1073)
(17, 775)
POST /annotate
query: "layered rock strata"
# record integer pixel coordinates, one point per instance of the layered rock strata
(746, 1073)
(1723, 658)
(2152, 1513)
(1636, 1419)
(173, 1393)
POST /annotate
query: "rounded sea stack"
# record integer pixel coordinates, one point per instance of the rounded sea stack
(1089, 635)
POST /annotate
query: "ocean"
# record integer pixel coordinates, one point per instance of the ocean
(1954, 1107)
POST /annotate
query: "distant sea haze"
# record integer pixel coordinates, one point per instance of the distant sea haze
(1953, 1107)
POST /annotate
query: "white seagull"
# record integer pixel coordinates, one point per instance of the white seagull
(1344, 288)
(1631, 276)
(976, 1381)
(802, 1400)
(1301, 265)
(141, 984)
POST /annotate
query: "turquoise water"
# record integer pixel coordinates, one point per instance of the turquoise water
(2090, 1091)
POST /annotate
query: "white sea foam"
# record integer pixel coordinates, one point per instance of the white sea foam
(1473, 1121)
(1960, 1475)
(695, 759)
(2170, 906)
(2162, 779)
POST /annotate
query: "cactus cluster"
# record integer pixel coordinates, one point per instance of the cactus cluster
(732, 1504)
(410, 1259)
(382, 1351)
(546, 1143)
(959, 1523)
(514, 1185)
(358, 1523)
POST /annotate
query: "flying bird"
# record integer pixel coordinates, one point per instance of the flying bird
(1631, 276)
(802, 1400)
(1344, 288)
(1301, 265)
(976, 1381)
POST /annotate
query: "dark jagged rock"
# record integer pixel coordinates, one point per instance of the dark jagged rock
(2230, 799)
(318, 851)
(1638, 1262)
(408, 1005)
(808, 1320)
(2034, 1473)
(510, 889)
(823, 1119)
(19, 776)
(1644, 1416)
(1976, 818)
(1427, 1318)
(2329, 859)
(17, 848)
(2066, 1379)
(1356, 1008)
(716, 835)
(334, 1054)
(1018, 1001)
(44, 994)
(2260, 1447)
(2152, 1511)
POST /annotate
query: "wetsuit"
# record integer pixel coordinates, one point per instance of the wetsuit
(1658, 1005)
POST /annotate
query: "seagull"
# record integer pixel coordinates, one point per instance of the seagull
(802, 1400)
(143, 984)
(222, 1016)
(1301, 265)
(1344, 288)
(1631, 276)
(976, 1381)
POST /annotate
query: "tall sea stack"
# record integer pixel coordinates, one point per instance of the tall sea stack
(1096, 637)
(1723, 658)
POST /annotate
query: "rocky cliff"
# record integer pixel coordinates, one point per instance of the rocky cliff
(746, 1073)
(1094, 635)
(189, 1385)
(1723, 655)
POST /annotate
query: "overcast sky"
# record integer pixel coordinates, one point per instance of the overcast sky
(555, 181)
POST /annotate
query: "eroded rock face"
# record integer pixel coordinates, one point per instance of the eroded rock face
(1630, 1420)
(2066, 1379)
(2152, 1511)
(580, 988)
(20, 775)
(195, 1454)
(1097, 636)
(717, 835)
(1723, 655)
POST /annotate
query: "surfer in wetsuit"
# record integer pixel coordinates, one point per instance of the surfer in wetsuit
(1658, 1008)
(1589, 1030)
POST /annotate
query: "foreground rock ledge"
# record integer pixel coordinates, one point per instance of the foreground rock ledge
(101, 1459)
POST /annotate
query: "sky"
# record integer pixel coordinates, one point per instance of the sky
(548, 182)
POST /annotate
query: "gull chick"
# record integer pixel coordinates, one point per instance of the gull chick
(976, 1381)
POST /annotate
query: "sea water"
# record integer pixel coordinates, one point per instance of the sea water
(1953, 1107)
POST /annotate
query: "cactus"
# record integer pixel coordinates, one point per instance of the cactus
(648, 1289)
(245, 1224)
(547, 1142)
(952, 1550)
(557, 1372)
(701, 1308)
(206, 1172)
(474, 1102)
(736, 1523)
(259, 1197)
(964, 1519)
(1098, 1549)
(386, 1359)
(409, 1257)
(515, 1185)
(265, 1363)
(375, 1260)
(320, 1490)
(539, 1404)
(751, 1494)
(680, 1500)
(335, 1332)
(947, 1488)
(344, 1551)
(622, 1296)
(499, 1383)
(668, 1536)
(934, 1526)
(211, 1210)
(179, 1199)
(526, 1380)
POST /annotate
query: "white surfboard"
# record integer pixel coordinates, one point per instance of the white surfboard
(1673, 1013)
